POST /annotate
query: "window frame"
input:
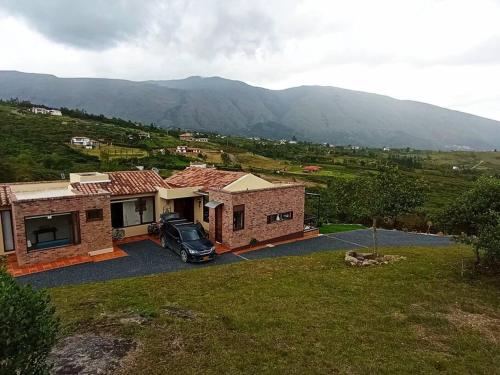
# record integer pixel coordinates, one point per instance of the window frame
(238, 210)
(11, 222)
(76, 230)
(99, 217)
(136, 201)
(279, 217)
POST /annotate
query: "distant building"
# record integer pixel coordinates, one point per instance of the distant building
(45, 111)
(187, 150)
(186, 137)
(311, 169)
(84, 142)
(386, 149)
(292, 142)
(144, 135)
(200, 139)
(197, 164)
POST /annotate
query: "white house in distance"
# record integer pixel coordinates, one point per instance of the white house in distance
(84, 142)
(187, 150)
(45, 111)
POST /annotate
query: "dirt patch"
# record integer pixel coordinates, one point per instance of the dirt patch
(488, 326)
(88, 354)
(428, 335)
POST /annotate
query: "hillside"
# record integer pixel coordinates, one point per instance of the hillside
(321, 114)
(37, 147)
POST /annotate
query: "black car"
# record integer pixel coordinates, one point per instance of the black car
(186, 239)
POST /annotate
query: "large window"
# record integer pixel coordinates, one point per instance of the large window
(7, 230)
(239, 217)
(53, 230)
(132, 212)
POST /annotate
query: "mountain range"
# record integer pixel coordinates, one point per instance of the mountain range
(312, 113)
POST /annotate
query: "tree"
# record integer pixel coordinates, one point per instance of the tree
(388, 194)
(28, 327)
(475, 215)
(226, 159)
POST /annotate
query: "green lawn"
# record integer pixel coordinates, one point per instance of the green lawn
(336, 228)
(297, 315)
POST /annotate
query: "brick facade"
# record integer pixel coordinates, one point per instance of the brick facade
(258, 205)
(94, 235)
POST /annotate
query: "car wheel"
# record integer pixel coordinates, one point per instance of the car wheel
(163, 242)
(184, 256)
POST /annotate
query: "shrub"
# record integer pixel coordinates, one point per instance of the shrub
(28, 327)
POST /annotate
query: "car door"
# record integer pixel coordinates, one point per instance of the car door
(171, 236)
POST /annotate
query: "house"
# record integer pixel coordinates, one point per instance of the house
(46, 221)
(84, 142)
(144, 135)
(311, 169)
(238, 208)
(187, 150)
(45, 111)
(181, 149)
(386, 149)
(201, 139)
(186, 137)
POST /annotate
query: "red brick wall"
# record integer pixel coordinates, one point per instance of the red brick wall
(95, 235)
(258, 205)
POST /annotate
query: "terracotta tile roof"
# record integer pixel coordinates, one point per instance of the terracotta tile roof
(4, 195)
(124, 183)
(209, 178)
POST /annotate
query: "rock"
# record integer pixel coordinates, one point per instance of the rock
(134, 319)
(350, 260)
(88, 354)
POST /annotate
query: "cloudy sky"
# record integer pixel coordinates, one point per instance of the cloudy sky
(445, 52)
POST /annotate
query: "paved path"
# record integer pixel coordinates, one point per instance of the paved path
(147, 258)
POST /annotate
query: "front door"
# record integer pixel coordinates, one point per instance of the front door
(185, 208)
(218, 224)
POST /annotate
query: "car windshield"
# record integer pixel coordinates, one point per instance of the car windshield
(191, 234)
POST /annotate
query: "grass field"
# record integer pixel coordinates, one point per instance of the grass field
(249, 160)
(337, 228)
(297, 315)
(115, 152)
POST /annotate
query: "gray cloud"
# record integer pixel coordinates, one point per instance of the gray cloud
(203, 28)
(91, 24)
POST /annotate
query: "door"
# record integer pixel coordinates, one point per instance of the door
(173, 239)
(185, 208)
(218, 224)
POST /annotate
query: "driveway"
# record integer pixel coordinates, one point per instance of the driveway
(147, 258)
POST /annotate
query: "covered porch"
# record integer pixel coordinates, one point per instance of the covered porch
(189, 203)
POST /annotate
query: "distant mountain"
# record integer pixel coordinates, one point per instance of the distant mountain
(315, 113)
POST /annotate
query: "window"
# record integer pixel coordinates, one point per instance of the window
(239, 217)
(132, 212)
(280, 217)
(272, 218)
(94, 215)
(206, 210)
(7, 230)
(52, 230)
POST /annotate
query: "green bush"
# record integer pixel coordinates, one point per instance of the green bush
(28, 328)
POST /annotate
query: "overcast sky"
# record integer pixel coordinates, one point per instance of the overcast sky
(444, 52)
